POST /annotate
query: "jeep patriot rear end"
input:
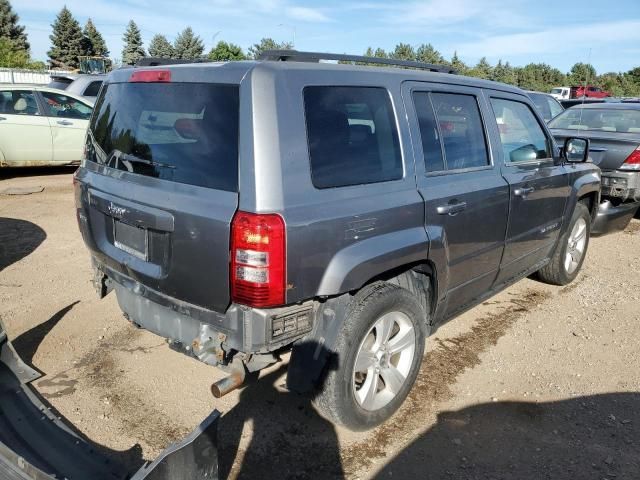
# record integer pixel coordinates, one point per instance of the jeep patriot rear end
(245, 208)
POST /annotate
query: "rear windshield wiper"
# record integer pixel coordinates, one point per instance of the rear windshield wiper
(128, 159)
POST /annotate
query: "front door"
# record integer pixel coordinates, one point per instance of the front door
(69, 119)
(25, 135)
(538, 185)
(466, 198)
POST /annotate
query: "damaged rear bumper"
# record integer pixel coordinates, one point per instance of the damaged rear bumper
(612, 218)
(35, 444)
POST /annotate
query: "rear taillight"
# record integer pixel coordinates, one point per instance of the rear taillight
(633, 161)
(258, 259)
(150, 76)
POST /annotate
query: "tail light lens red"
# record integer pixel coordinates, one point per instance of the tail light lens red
(148, 76)
(258, 259)
(633, 161)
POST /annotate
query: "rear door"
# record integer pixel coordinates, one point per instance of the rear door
(161, 187)
(538, 184)
(25, 135)
(68, 119)
(466, 198)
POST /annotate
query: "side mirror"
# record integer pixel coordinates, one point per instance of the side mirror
(575, 150)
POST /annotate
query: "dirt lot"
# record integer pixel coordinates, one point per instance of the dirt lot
(539, 382)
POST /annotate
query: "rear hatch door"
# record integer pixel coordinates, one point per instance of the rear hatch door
(159, 187)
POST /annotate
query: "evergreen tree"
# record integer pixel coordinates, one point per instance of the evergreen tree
(428, 54)
(160, 47)
(482, 70)
(188, 45)
(10, 29)
(267, 44)
(94, 44)
(458, 65)
(133, 49)
(224, 51)
(66, 40)
(403, 51)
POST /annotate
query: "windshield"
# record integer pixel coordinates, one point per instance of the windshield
(601, 119)
(182, 132)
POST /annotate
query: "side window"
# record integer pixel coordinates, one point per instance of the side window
(18, 102)
(63, 106)
(554, 107)
(461, 128)
(428, 132)
(352, 136)
(522, 137)
(93, 89)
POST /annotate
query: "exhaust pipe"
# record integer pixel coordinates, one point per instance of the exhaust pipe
(231, 382)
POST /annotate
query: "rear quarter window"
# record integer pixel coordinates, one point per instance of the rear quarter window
(352, 136)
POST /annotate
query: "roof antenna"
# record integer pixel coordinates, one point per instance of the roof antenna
(586, 82)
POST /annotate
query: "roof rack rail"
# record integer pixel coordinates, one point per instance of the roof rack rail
(296, 56)
(158, 61)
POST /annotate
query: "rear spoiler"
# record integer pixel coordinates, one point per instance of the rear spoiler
(35, 444)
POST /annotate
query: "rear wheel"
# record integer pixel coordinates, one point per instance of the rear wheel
(571, 250)
(379, 352)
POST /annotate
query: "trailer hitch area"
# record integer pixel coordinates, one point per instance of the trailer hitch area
(237, 374)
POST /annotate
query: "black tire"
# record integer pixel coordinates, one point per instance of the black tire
(555, 272)
(336, 398)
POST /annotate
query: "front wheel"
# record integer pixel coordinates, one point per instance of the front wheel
(379, 352)
(570, 253)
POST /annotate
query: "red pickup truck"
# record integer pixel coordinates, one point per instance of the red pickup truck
(588, 91)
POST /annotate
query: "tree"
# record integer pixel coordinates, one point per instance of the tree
(188, 45)
(160, 47)
(403, 51)
(458, 65)
(582, 73)
(66, 40)
(483, 69)
(224, 51)
(428, 54)
(9, 28)
(133, 49)
(93, 41)
(267, 44)
(10, 56)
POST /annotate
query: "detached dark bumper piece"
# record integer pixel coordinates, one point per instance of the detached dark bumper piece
(37, 445)
(612, 219)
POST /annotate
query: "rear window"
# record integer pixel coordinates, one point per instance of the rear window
(600, 119)
(59, 84)
(181, 132)
(352, 135)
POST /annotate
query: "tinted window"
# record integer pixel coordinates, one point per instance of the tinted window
(352, 136)
(601, 119)
(18, 102)
(59, 84)
(554, 106)
(431, 147)
(540, 101)
(65, 107)
(522, 137)
(93, 89)
(461, 128)
(182, 132)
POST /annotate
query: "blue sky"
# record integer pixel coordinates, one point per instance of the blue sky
(556, 32)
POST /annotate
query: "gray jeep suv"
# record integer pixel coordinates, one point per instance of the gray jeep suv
(339, 211)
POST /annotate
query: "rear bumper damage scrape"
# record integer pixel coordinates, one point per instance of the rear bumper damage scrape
(612, 219)
(35, 444)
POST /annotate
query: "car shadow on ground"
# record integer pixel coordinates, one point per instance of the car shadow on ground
(289, 439)
(582, 438)
(18, 239)
(15, 172)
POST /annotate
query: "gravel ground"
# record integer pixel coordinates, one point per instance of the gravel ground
(538, 382)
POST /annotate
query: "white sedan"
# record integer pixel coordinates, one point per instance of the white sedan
(41, 126)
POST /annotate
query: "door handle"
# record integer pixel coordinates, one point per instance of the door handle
(64, 122)
(523, 191)
(451, 208)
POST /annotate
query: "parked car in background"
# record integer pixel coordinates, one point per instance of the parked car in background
(86, 86)
(41, 126)
(341, 211)
(560, 92)
(614, 132)
(546, 104)
(571, 102)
